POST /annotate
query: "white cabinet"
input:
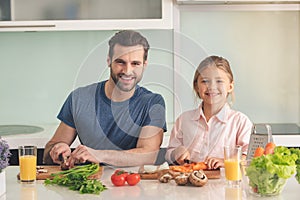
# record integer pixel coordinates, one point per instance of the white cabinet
(194, 2)
(53, 15)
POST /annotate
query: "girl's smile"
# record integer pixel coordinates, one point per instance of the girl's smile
(213, 86)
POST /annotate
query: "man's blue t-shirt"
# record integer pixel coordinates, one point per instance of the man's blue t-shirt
(103, 124)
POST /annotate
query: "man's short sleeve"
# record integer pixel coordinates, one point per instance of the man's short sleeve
(157, 112)
(66, 112)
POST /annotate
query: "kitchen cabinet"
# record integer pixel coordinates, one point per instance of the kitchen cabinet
(194, 2)
(60, 15)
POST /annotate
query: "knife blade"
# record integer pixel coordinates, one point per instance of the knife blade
(63, 164)
(187, 161)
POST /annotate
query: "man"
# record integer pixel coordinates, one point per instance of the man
(118, 122)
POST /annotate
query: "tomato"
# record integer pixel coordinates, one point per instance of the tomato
(119, 177)
(133, 178)
(121, 172)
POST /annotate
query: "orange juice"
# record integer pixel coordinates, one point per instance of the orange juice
(232, 170)
(27, 168)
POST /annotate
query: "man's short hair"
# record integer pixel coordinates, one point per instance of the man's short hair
(128, 38)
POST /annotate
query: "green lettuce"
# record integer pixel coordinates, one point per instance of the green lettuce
(297, 152)
(268, 173)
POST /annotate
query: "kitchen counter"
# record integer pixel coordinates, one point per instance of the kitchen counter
(215, 189)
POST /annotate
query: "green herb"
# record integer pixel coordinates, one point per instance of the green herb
(77, 179)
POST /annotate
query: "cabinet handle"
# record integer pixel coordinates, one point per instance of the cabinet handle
(27, 26)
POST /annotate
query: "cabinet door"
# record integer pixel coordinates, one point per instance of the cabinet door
(85, 14)
(212, 2)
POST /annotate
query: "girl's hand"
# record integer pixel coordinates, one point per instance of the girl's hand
(214, 163)
(180, 154)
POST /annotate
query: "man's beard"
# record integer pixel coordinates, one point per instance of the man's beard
(120, 85)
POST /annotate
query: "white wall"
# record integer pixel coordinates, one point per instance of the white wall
(39, 69)
(263, 49)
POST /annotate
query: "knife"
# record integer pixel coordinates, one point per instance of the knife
(63, 160)
(187, 161)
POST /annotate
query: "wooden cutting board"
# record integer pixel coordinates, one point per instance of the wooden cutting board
(55, 169)
(211, 174)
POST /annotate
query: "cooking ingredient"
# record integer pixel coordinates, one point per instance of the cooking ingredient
(189, 167)
(165, 178)
(118, 178)
(297, 152)
(232, 170)
(27, 167)
(268, 173)
(259, 151)
(77, 179)
(181, 168)
(198, 178)
(199, 166)
(153, 168)
(40, 171)
(121, 172)
(133, 179)
(182, 179)
(269, 149)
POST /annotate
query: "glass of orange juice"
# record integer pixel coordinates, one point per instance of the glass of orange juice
(232, 158)
(27, 162)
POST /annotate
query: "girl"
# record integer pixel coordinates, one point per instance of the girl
(200, 134)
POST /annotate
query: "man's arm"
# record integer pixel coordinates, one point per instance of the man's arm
(146, 151)
(59, 144)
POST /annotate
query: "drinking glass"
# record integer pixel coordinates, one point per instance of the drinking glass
(232, 158)
(233, 193)
(27, 162)
(28, 192)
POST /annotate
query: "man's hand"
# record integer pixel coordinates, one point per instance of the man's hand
(59, 149)
(80, 155)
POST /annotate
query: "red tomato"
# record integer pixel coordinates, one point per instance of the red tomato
(121, 172)
(133, 179)
(119, 177)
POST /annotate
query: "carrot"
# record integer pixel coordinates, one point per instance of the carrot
(259, 151)
(180, 168)
(199, 166)
(269, 149)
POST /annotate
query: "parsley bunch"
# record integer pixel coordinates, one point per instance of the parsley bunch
(77, 179)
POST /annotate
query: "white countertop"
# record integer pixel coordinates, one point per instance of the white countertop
(215, 189)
